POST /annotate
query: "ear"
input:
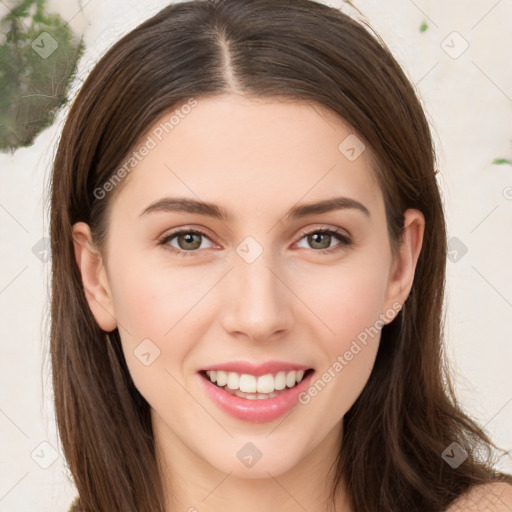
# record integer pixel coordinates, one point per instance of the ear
(403, 267)
(94, 277)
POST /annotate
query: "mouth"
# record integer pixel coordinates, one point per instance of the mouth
(253, 398)
(252, 387)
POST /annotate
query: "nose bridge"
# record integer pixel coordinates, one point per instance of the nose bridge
(259, 302)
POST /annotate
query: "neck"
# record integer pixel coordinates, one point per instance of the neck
(192, 484)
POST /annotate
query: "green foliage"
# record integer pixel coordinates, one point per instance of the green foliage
(423, 26)
(501, 161)
(38, 57)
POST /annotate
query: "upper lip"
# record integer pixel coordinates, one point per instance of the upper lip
(256, 369)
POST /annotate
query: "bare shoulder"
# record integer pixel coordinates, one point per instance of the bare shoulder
(492, 497)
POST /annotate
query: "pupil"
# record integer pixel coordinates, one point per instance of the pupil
(320, 235)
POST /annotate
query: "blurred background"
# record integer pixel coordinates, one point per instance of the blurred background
(458, 56)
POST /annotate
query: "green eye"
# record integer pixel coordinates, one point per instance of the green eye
(189, 241)
(188, 237)
(326, 234)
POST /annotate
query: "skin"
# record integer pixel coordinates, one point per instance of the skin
(494, 497)
(257, 159)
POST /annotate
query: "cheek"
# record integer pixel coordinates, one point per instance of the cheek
(346, 298)
(153, 308)
(151, 300)
(349, 302)
(162, 311)
(351, 311)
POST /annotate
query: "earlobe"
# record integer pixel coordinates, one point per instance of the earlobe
(94, 277)
(404, 266)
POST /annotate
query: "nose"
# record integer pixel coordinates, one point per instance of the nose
(258, 301)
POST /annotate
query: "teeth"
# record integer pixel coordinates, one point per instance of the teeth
(252, 396)
(263, 384)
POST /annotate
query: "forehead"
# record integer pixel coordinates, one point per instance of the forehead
(250, 154)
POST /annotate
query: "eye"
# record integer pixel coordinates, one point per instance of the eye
(187, 239)
(322, 238)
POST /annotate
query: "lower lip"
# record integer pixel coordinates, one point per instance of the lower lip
(256, 411)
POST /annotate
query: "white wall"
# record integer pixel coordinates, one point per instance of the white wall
(469, 103)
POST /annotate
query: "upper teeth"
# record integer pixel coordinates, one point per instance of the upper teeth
(252, 384)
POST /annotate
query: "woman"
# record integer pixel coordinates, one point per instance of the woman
(207, 354)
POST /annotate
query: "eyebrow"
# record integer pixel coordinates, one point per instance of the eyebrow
(187, 205)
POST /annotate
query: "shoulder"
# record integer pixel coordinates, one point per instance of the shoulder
(492, 497)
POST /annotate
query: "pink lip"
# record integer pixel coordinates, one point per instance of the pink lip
(256, 411)
(257, 369)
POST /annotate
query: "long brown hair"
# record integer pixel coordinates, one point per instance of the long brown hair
(407, 415)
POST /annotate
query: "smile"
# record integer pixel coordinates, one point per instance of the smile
(255, 398)
(253, 387)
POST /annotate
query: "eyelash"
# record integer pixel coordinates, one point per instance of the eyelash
(345, 241)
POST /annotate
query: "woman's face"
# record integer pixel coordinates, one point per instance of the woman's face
(262, 286)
